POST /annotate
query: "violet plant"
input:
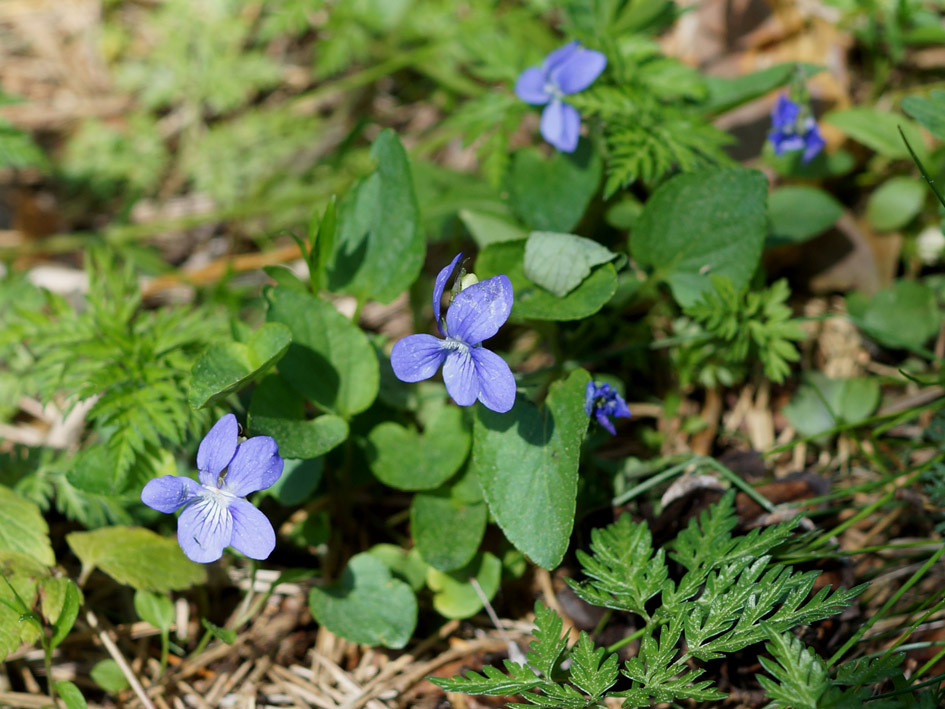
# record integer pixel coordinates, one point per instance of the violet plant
(567, 70)
(583, 277)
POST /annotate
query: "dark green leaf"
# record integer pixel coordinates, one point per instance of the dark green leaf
(330, 360)
(879, 130)
(527, 464)
(70, 694)
(551, 194)
(224, 635)
(277, 410)
(447, 531)
(930, 112)
(379, 248)
(401, 458)
(108, 675)
(905, 315)
(699, 224)
(154, 608)
(226, 368)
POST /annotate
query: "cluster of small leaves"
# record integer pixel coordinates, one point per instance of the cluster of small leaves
(727, 329)
(730, 596)
(126, 366)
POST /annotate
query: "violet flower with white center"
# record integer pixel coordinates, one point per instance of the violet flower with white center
(215, 514)
(790, 131)
(567, 70)
(604, 402)
(470, 371)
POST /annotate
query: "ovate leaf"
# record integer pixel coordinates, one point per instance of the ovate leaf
(551, 194)
(930, 112)
(879, 130)
(379, 247)
(277, 410)
(905, 315)
(367, 605)
(136, 557)
(797, 213)
(534, 302)
(895, 203)
(560, 262)
(446, 530)
(700, 224)
(527, 464)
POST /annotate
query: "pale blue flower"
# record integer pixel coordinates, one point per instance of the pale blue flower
(215, 514)
(567, 70)
(470, 371)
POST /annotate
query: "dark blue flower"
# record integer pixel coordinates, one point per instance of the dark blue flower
(215, 514)
(470, 371)
(604, 402)
(790, 131)
(567, 70)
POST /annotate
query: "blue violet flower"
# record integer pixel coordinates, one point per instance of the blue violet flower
(604, 402)
(567, 70)
(215, 514)
(470, 371)
(792, 131)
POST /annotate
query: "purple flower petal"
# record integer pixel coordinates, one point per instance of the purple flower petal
(459, 375)
(530, 86)
(560, 56)
(477, 313)
(605, 422)
(784, 113)
(496, 383)
(417, 357)
(813, 141)
(578, 71)
(256, 466)
(216, 449)
(252, 531)
(169, 492)
(786, 142)
(561, 125)
(439, 286)
(204, 528)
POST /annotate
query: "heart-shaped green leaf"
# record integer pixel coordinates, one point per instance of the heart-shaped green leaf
(527, 463)
(227, 367)
(277, 410)
(403, 459)
(367, 605)
(446, 530)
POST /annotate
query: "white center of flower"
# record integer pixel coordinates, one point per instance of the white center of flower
(453, 344)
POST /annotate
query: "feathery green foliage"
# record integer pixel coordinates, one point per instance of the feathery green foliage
(126, 366)
(730, 596)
